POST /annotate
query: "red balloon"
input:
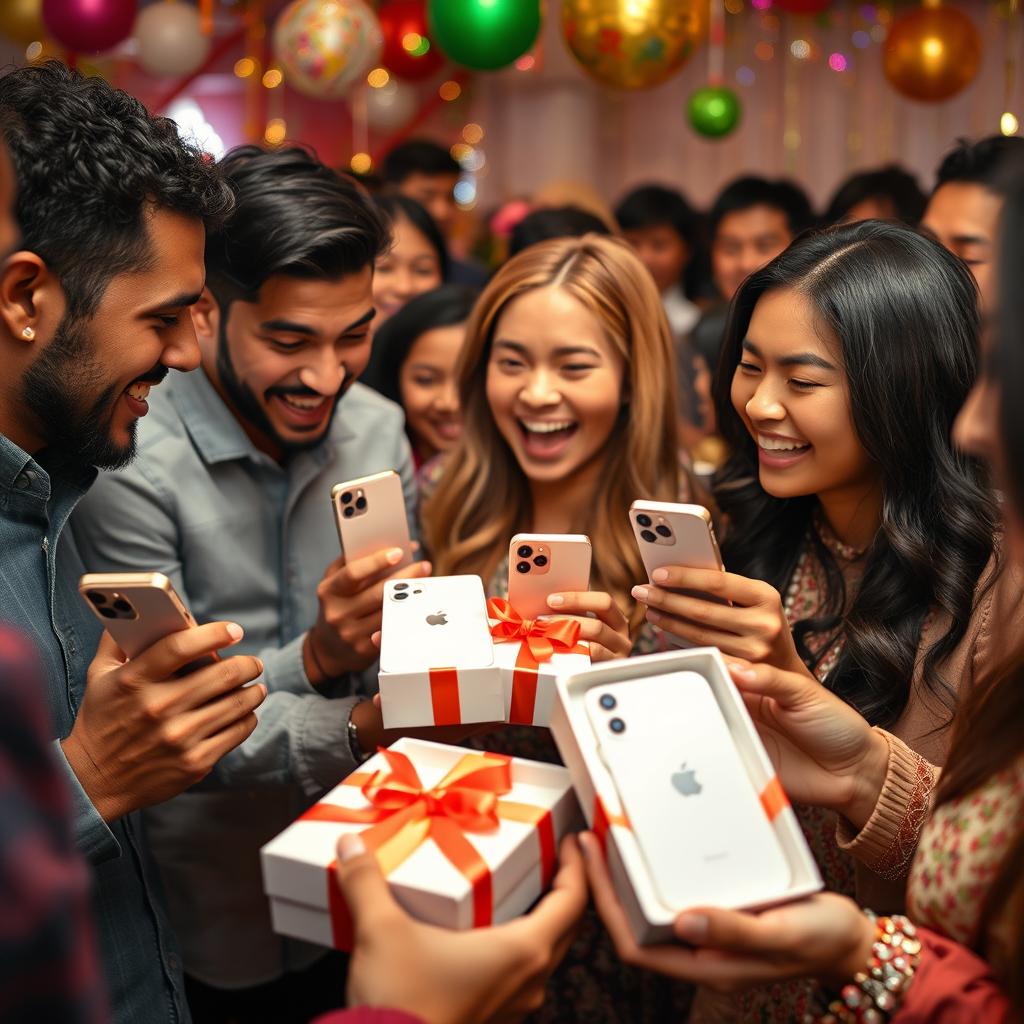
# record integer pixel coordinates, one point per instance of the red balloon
(89, 26)
(402, 23)
(802, 6)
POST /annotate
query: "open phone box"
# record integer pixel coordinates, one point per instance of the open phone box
(650, 919)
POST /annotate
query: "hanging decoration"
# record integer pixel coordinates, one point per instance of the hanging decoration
(803, 6)
(484, 34)
(22, 20)
(714, 111)
(391, 105)
(408, 50)
(171, 40)
(89, 26)
(931, 53)
(325, 46)
(629, 45)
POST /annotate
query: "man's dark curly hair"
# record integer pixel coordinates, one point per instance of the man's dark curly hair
(90, 163)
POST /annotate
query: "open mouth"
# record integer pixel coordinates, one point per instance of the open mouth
(448, 430)
(302, 410)
(546, 438)
(780, 451)
(136, 393)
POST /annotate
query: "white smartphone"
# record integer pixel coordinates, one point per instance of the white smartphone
(697, 818)
(540, 564)
(370, 512)
(438, 622)
(137, 609)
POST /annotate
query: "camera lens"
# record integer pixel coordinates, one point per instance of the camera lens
(349, 512)
(401, 586)
(346, 498)
(608, 701)
(663, 531)
(525, 551)
(617, 725)
(401, 595)
(647, 535)
(108, 613)
(122, 605)
(643, 520)
(96, 597)
(522, 567)
(540, 561)
(360, 503)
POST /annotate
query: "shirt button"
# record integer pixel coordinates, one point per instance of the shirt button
(23, 481)
(46, 544)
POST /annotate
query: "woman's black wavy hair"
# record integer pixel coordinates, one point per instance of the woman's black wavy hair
(395, 205)
(906, 314)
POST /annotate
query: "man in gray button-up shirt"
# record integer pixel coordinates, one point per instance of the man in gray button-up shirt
(230, 497)
(95, 309)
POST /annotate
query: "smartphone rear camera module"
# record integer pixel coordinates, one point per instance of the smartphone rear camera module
(523, 567)
(119, 608)
(402, 586)
(648, 535)
(617, 726)
(643, 519)
(346, 498)
(360, 504)
(540, 561)
(608, 702)
(349, 512)
(524, 551)
(97, 597)
(401, 595)
(663, 531)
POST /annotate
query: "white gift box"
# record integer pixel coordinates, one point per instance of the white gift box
(529, 692)
(437, 660)
(519, 854)
(651, 919)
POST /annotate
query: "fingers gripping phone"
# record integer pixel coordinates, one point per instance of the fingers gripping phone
(137, 609)
(695, 814)
(370, 512)
(540, 564)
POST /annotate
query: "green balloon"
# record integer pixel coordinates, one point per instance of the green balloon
(484, 34)
(714, 111)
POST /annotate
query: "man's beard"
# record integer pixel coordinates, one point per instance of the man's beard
(249, 408)
(56, 390)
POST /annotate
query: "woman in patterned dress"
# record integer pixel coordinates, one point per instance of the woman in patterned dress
(567, 385)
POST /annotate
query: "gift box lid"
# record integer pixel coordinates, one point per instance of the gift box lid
(294, 863)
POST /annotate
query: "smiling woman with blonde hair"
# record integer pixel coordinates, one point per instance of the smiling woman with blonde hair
(567, 385)
(567, 382)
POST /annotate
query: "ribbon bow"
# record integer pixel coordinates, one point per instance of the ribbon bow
(403, 814)
(543, 637)
(539, 640)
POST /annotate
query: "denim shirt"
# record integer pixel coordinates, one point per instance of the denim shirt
(245, 539)
(39, 574)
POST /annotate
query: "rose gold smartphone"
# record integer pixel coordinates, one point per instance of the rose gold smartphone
(540, 564)
(137, 609)
(370, 512)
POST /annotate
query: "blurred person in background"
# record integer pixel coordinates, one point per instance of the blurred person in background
(428, 173)
(554, 222)
(415, 262)
(888, 193)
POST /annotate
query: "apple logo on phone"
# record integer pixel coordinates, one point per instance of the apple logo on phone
(685, 780)
(437, 620)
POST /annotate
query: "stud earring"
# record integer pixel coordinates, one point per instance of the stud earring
(28, 333)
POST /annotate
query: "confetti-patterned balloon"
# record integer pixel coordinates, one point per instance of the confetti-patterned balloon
(326, 46)
(633, 45)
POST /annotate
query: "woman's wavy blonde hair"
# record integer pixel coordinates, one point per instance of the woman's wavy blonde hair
(483, 497)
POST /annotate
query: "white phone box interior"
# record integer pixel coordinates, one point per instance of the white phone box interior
(649, 917)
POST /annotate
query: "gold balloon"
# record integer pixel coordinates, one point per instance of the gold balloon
(932, 53)
(633, 44)
(22, 20)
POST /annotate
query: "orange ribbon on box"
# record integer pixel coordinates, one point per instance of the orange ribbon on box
(403, 815)
(539, 640)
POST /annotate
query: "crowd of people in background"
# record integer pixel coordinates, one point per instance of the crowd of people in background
(837, 388)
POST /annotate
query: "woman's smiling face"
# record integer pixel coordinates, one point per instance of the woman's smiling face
(554, 383)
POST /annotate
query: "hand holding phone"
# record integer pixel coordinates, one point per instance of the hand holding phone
(148, 727)
(370, 514)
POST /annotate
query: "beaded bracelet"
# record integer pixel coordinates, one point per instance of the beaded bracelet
(875, 994)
